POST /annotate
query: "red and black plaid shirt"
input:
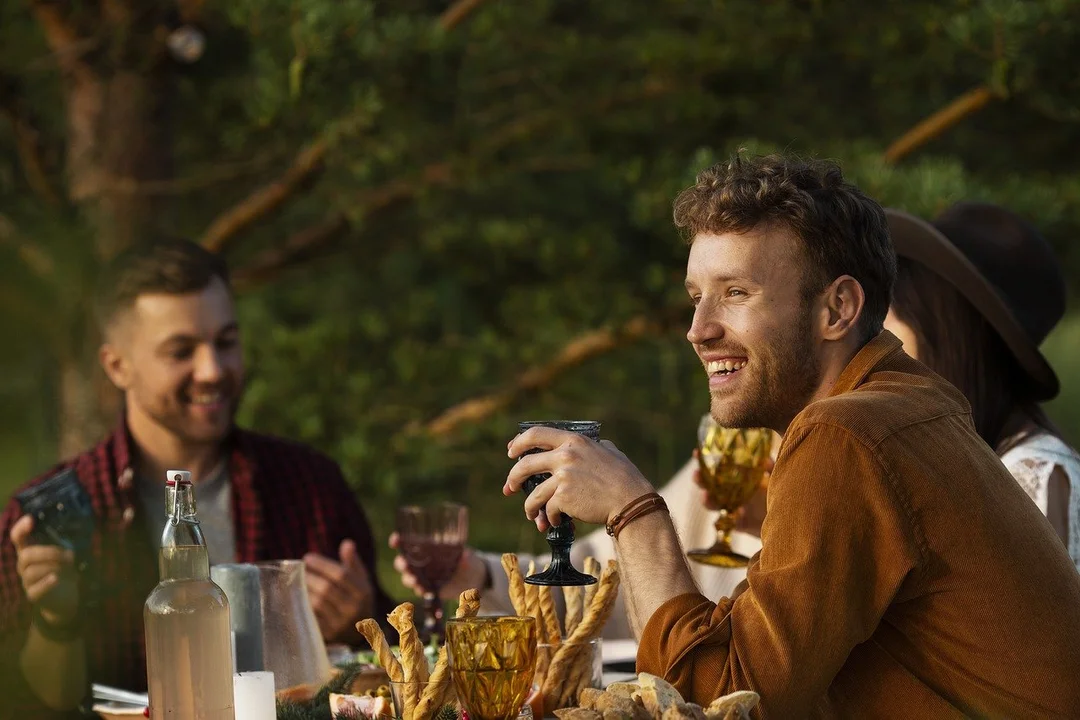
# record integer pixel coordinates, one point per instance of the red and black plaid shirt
(287, 500)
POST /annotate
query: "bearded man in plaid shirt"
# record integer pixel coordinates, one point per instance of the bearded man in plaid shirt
(172, 347)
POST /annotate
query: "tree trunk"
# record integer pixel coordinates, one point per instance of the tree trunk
(118, 138)
(84, 394)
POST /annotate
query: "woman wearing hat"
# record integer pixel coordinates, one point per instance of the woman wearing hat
(978, 290)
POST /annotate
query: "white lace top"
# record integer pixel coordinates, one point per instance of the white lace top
(1032, 462)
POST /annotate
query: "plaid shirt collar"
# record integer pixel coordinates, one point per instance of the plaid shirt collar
(243, 468)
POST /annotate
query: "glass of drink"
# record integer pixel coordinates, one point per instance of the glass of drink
(432, 539)
(492, 660)
(560, 537)
(733, 463)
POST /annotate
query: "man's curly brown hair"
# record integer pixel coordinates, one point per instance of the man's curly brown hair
(844, 232)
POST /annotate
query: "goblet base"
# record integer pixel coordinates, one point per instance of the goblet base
(719, 556)
(560, 576)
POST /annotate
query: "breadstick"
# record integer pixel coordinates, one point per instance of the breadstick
(550, 625)
(430, 699)
(592, 567)
(603, 603)
(574, 597)
(532, 601)
(596, 615)
(468, 603)
(377, 640)
(512, 568)
(413, 661)
(579, 677)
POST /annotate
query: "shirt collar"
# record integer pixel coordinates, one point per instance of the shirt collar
(124, 449)
(884, 345)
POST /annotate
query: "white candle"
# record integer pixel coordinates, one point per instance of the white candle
(253, 696)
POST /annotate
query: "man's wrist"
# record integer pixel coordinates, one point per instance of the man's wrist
(637, 508)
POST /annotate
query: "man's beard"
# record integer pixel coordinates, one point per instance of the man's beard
(176, 420)
(784, 380)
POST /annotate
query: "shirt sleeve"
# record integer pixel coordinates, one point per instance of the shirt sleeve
(19, 701)
(14, 610)
(836, 547)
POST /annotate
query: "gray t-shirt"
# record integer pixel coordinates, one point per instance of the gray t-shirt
(213, 502)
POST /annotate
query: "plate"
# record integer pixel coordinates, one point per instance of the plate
(109, 710)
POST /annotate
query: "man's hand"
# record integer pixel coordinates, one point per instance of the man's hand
(590, 481)
(341, 592)
(47, 573)
(471, 573)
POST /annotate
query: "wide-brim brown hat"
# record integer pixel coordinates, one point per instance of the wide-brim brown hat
(1005, 269)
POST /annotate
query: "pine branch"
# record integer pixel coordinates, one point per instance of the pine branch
(63, 38)
(308, 242)
(28, 144)
(308, 162)
(266, 199)
(34, 257)
(578, 350)
(85, 96)
(296, 248)
(457, 12)
(941, 121)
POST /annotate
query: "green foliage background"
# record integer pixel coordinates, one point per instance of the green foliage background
(558, 132)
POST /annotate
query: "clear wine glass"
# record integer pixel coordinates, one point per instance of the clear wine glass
(432, 539)
(559, 537)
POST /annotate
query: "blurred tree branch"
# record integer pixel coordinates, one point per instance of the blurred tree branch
(298, 246)
(307, 164)
(306, 243)
(457, 12)
(939, 122)
(584, 347)
(217, 174)
(309, 242)
(266, 199)
(34, 257)
(28, 144)
(85, 97)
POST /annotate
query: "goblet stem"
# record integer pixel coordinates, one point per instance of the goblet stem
(725, 523)
(433, 618)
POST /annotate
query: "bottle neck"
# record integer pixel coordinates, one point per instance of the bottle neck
(183, 549)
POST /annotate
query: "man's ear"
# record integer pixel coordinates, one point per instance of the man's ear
(843, 302)
(115, 365)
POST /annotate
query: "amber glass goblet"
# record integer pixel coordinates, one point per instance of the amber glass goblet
(492, 660)
(733, 463)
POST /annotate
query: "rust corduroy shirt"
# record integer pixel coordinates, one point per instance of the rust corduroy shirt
(903, 572)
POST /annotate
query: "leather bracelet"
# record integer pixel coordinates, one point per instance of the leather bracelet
(68, 632)
(635, 509)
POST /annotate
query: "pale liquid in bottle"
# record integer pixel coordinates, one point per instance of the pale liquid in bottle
(186, 618)
(188, 646)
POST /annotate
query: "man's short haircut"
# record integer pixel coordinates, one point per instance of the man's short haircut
(843, 231)
(169, 266)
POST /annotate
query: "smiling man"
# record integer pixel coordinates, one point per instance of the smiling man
(172, 347)
(903, 572)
